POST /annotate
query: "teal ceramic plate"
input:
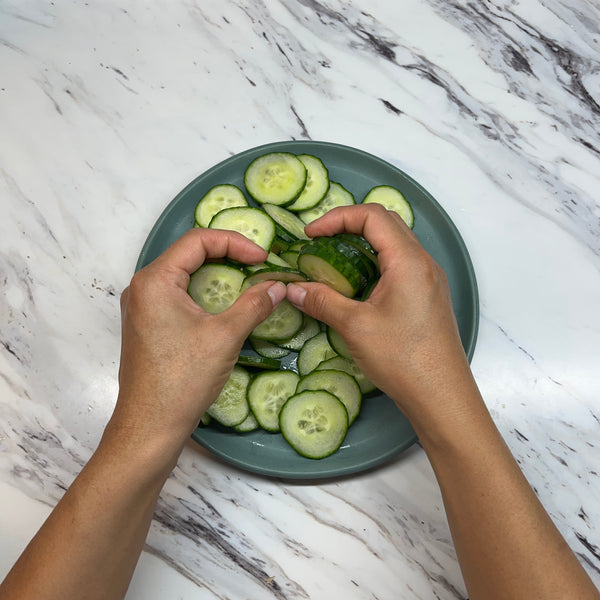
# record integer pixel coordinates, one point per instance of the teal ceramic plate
(381, 431)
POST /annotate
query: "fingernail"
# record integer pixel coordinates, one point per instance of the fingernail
(277, 292)
(296, 294)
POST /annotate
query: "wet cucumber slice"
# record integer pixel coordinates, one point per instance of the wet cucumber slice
(317, 183)
(314, 423)
(251, 222)
(284, 322)
(337, 195)
(392, 199)
(275, 178)
(231, 406)
(215, 287)
(218, 198)
(267, 393)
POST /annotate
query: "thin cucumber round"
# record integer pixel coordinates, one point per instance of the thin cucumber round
(392, 199)
(285, 274)
(275, 178)
(317, 183)
(284, 322)
(215, 287)
(231, 406)
(217, 199)
(313, 353)
(267, 349)
(251, 222)
(287, 221)
(337, 343)
(314, 423)
(338, 383)
(339, 363)
(337, 195)
(310, 328)
(259, 362)
(267, 393)
(248, 424)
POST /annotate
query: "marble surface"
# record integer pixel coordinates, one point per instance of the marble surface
(108, 109)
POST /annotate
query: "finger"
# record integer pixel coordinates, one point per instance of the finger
(378, 225)
(253, 306)
(321, 302)
(190, 251)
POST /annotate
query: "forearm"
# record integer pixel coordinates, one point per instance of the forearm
(90, 544)
(507, 545)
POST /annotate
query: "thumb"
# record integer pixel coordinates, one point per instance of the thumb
(321, 302)
(254, 305)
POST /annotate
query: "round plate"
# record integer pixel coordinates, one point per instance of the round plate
(381, 431)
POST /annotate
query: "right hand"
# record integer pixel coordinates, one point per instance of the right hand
(404, 338)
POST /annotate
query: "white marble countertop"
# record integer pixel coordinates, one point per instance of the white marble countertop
(108, 109)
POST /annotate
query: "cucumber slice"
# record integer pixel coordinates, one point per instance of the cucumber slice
(251, 222)
(267, 349)
(337, 195)
(290, 257)
(363, 245)
(338, 383)
(267, 393)
(258, 362)
(343, 270)
(217, 199)
(339, 363)
(317, 183)
(314, 423)
(284, 322)
(275, 178)
(352, 252)
(313, 353)
(391, 199)
(248, 424)
(215, 286)
(287, 221)
(337, 343)
(285, 274)
(231, 406)
(310, 328)
(275, 260)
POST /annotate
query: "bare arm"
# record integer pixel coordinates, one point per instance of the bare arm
(506, 543)
(171, 371)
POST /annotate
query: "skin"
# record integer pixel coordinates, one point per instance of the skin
(171, 371)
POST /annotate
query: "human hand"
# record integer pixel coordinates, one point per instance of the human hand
(404, 337)
(175, 357)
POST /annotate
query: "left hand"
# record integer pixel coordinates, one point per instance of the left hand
(175, 357)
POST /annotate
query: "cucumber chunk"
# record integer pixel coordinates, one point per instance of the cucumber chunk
(338, 383)
(215, 287)
(217, 199)
(231, 406)
(337, 195)
(251, 222)
(317, 183)
(275, 178)
(391, 199)
(267, 393)
(314, 423)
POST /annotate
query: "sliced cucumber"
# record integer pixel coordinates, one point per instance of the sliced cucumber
(251, 222)
(275, 260)
(267, 349)
(317, 183)
(340, 266)
(339, 363)
(337, 343)
(313, 353)
(290, 257)
(310, 328)
(285, 274)
(275, 178)
(267, 393)
(231, 406)
(337, 195)
(391, 199)
(215, 286)
(287, 221)
(258, 362)
(217, 199)
(314, 423)
(338, 383)
(248, 424)
(284, 322)
(362, 244)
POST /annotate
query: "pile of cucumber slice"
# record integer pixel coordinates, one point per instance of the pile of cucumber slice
(314, 399)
